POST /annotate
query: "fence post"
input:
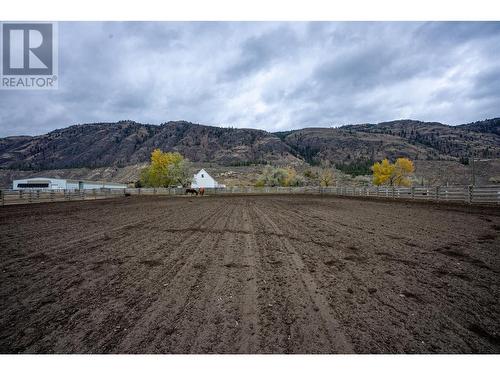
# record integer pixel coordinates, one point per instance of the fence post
(413, 192)
(2, 195)
(437, 193)
(469, 194)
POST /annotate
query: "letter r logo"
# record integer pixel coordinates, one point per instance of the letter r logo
(27, 49)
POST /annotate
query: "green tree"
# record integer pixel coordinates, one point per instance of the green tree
(272, 176)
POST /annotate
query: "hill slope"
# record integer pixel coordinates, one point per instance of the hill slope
(405, 138)
(129, 143)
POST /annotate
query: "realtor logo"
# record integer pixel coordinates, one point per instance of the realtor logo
(29, 56)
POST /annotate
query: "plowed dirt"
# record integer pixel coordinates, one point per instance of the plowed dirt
(266, 274)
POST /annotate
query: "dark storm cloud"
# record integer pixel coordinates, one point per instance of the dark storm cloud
(487, 85)
(259, 52)
(271, 76)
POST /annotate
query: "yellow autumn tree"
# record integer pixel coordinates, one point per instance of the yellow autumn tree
(166, 169)
(291, 178)
(403, 169)
(397, 174)
(326, 177)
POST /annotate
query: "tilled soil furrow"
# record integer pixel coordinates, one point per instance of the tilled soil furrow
(62, 226)
(86, 276)
(179, 296)
(216, 330)
(192, 327)
(116, 231)
(339, 342)
(249, 274)
(230, 323)
(391, 294)
(249, 309)
(290, 308)
(274, 292)
(162, 268)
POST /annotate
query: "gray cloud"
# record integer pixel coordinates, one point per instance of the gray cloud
(272, 76)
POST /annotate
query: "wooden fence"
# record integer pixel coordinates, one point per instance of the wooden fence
(460, 194)
(8, 197)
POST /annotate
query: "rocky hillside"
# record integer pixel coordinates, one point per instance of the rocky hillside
(128, 143)
(111, 150)
(486, 126)
(414, 139)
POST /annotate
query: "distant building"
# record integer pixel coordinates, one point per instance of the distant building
(203, 180)
(38, 183)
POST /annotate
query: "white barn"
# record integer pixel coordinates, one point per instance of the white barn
(40, 183)
(203, 180)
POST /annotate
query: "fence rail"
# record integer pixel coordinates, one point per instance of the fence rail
(460, 194)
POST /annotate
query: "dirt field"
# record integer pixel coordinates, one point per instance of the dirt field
(268, 274)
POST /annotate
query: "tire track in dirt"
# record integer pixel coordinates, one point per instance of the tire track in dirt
(342, 269)
(277, 300)
(389, 293)
(230, 324)
(325, 262)
(161, 274)
(338, 341)
(372, 224)
(122, 230)
(217, 324)
(93, 286)
(140, 239)
(250, 330)
(390, 296)
(170, 310)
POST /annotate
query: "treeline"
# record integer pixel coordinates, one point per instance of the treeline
(399, 173)
(248, 163)
(357, 168)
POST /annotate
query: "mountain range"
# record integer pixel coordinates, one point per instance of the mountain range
(127, 143)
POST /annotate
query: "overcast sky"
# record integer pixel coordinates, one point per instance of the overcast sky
(272, 76)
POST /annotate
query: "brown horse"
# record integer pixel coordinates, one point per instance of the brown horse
(191, 191)
(202, 191)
